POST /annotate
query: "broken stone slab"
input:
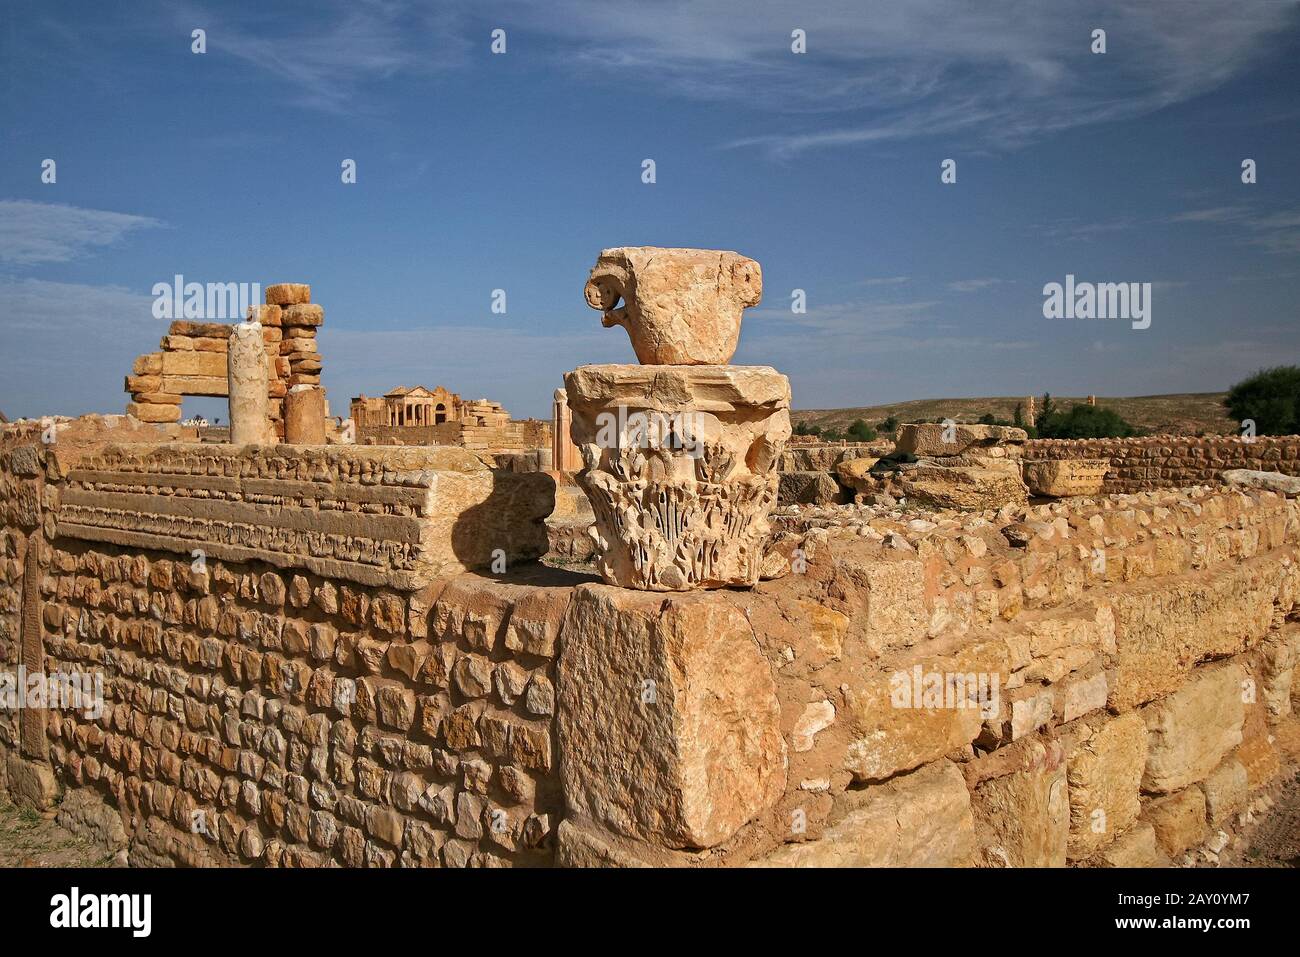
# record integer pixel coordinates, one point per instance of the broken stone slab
(679, 306)
(1288, 485)
(668, 722)
(972, 489)
(680, 469)
(936, 438)
(809, 488)
(1062, 478)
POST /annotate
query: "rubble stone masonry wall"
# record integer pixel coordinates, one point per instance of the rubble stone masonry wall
(347, 676)
(1173, 461)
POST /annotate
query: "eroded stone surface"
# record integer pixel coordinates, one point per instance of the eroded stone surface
(667, 717)
(680, 469)
(680, 306)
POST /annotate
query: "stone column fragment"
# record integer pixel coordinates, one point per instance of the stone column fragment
(247, 376)
(304, 415)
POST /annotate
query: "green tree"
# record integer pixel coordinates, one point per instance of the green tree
(859, 431)
(889, 425)
(803, 428)
(1018, 416)
(1270, 398)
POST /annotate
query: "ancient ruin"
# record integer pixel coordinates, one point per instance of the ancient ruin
(680, 452)
(420, 416)
(284, 652)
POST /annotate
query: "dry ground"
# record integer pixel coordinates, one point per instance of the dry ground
(1186, 414)
(29, 839)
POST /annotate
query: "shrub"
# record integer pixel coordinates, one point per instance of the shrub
(859, 431)
(1084, 422)
(1271, 398)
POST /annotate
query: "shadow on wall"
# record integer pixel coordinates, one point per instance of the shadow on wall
(509, 525)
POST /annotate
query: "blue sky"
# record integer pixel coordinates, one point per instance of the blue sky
(478, 172)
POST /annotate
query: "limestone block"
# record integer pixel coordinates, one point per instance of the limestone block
(31, 782)
(1191, 730)
(147, 412)
(925, 707)
(196, 385)
(1288, 485)
(148, 364)
(1136, 847)
(1061, 478)
(937, 439)
(808, 488)
(668, 721)
(287, 293)
(268, 315)
(1280, 655)
(1178, 819)
(965, 488)
(1225, 791)
(304, 416)
(1103, 775)
(918, 820)
(680, 469)
(1161, 631)
(680, 306)
(144, 383)
(1022, 819)
(302, 314)
(211, 364)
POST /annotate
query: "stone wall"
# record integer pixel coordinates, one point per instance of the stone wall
(513, 436)
(308, 656)
(1170, 461)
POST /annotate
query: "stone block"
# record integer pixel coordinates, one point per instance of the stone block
(1061, 478)
(1104, 772)
(1191, 730)
(922, 819)
(668, 721)
(925, 707)
(1179, 820)
(1022, 819)
(211, 364)
(936, 439)
(1225, 792)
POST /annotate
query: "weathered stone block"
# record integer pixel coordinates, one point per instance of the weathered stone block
(919, 820)
(924, 708)
(1103, 774)
(668, 721)
(1179, 820)
(1192, 729)
(1022, 819)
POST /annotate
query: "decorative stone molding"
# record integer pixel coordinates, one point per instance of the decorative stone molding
(680, 468)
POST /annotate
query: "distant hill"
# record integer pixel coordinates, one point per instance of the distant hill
(1183, 414)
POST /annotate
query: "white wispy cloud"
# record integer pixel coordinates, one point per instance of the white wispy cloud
(974, 285)
(329, 59)
(32, 232)
(1001, 72)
